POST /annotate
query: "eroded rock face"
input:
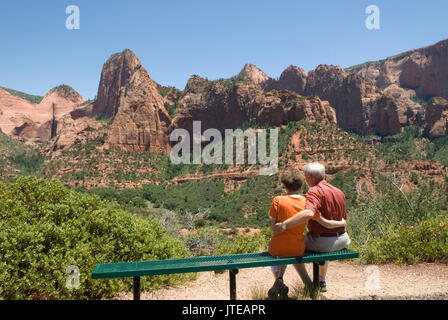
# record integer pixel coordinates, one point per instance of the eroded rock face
(224, 104)
(411, 112)
(37, 123)
(141, 122)
(276, 108)
(171, 95)
(425, 70)
(398, 92)
(217, 104)
(355, 99)
(15, 112)
(116, 72)
(256, 75)
(61, 100)
(72, 131)
(292, 79)
(360, 106)
(436, 118)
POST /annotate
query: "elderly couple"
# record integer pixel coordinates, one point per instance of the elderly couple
(323, 207)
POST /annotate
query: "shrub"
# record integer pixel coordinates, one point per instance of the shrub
(408, 244)
(380, 226)
(44, 228)
(203, 241)
(245, 243)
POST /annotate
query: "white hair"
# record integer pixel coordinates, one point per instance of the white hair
(316, 170)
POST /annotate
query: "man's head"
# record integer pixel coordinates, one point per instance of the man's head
(314, 172)
(292, 180)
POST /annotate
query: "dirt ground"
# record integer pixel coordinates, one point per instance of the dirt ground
(345, 280)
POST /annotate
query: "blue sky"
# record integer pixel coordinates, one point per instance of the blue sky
(214, 39)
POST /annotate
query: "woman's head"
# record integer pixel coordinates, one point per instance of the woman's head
(292, 179)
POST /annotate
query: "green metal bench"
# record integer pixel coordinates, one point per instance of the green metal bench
(231, 262)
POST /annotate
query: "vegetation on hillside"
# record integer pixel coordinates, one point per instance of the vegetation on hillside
(31, 98)
(17, 158)
(410, 145)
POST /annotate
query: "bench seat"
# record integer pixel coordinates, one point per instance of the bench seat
(231, 262)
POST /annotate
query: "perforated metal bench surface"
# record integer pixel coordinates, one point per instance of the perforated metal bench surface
(231, 262)
(210, 263)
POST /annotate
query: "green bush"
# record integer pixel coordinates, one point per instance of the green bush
(372, 216)
(428, 242)
(44, 228)
(390, 226)
(202, 242)
(245, 243)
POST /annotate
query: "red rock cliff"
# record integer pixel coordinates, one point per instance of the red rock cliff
(141, 122)
(116, 72)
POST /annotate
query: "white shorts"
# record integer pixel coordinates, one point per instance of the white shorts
(326, 244)
(275, 269)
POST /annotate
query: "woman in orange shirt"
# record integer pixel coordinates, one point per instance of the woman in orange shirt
(291, 243)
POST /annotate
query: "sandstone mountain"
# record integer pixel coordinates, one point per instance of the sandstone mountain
(424, 70)
(360, 106)
(37, 122)
(141, 122)
(436, 118)
(378, 97)
(257, 76)
(14, 112)
(116, 72)
(227, 104)
(292, 78)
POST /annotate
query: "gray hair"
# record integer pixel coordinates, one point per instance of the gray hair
(316, 170)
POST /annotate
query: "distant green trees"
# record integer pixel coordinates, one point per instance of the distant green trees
(410, 145)
(31, 98)
(185, 196)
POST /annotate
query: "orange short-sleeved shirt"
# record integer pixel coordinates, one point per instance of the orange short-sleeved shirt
(290, 243)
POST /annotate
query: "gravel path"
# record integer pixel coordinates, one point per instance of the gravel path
(345, 280)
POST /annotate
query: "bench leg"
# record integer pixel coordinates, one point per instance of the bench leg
(316, 274)
(136, 288)
(232, 280)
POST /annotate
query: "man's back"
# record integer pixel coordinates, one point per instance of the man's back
(330, 201)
